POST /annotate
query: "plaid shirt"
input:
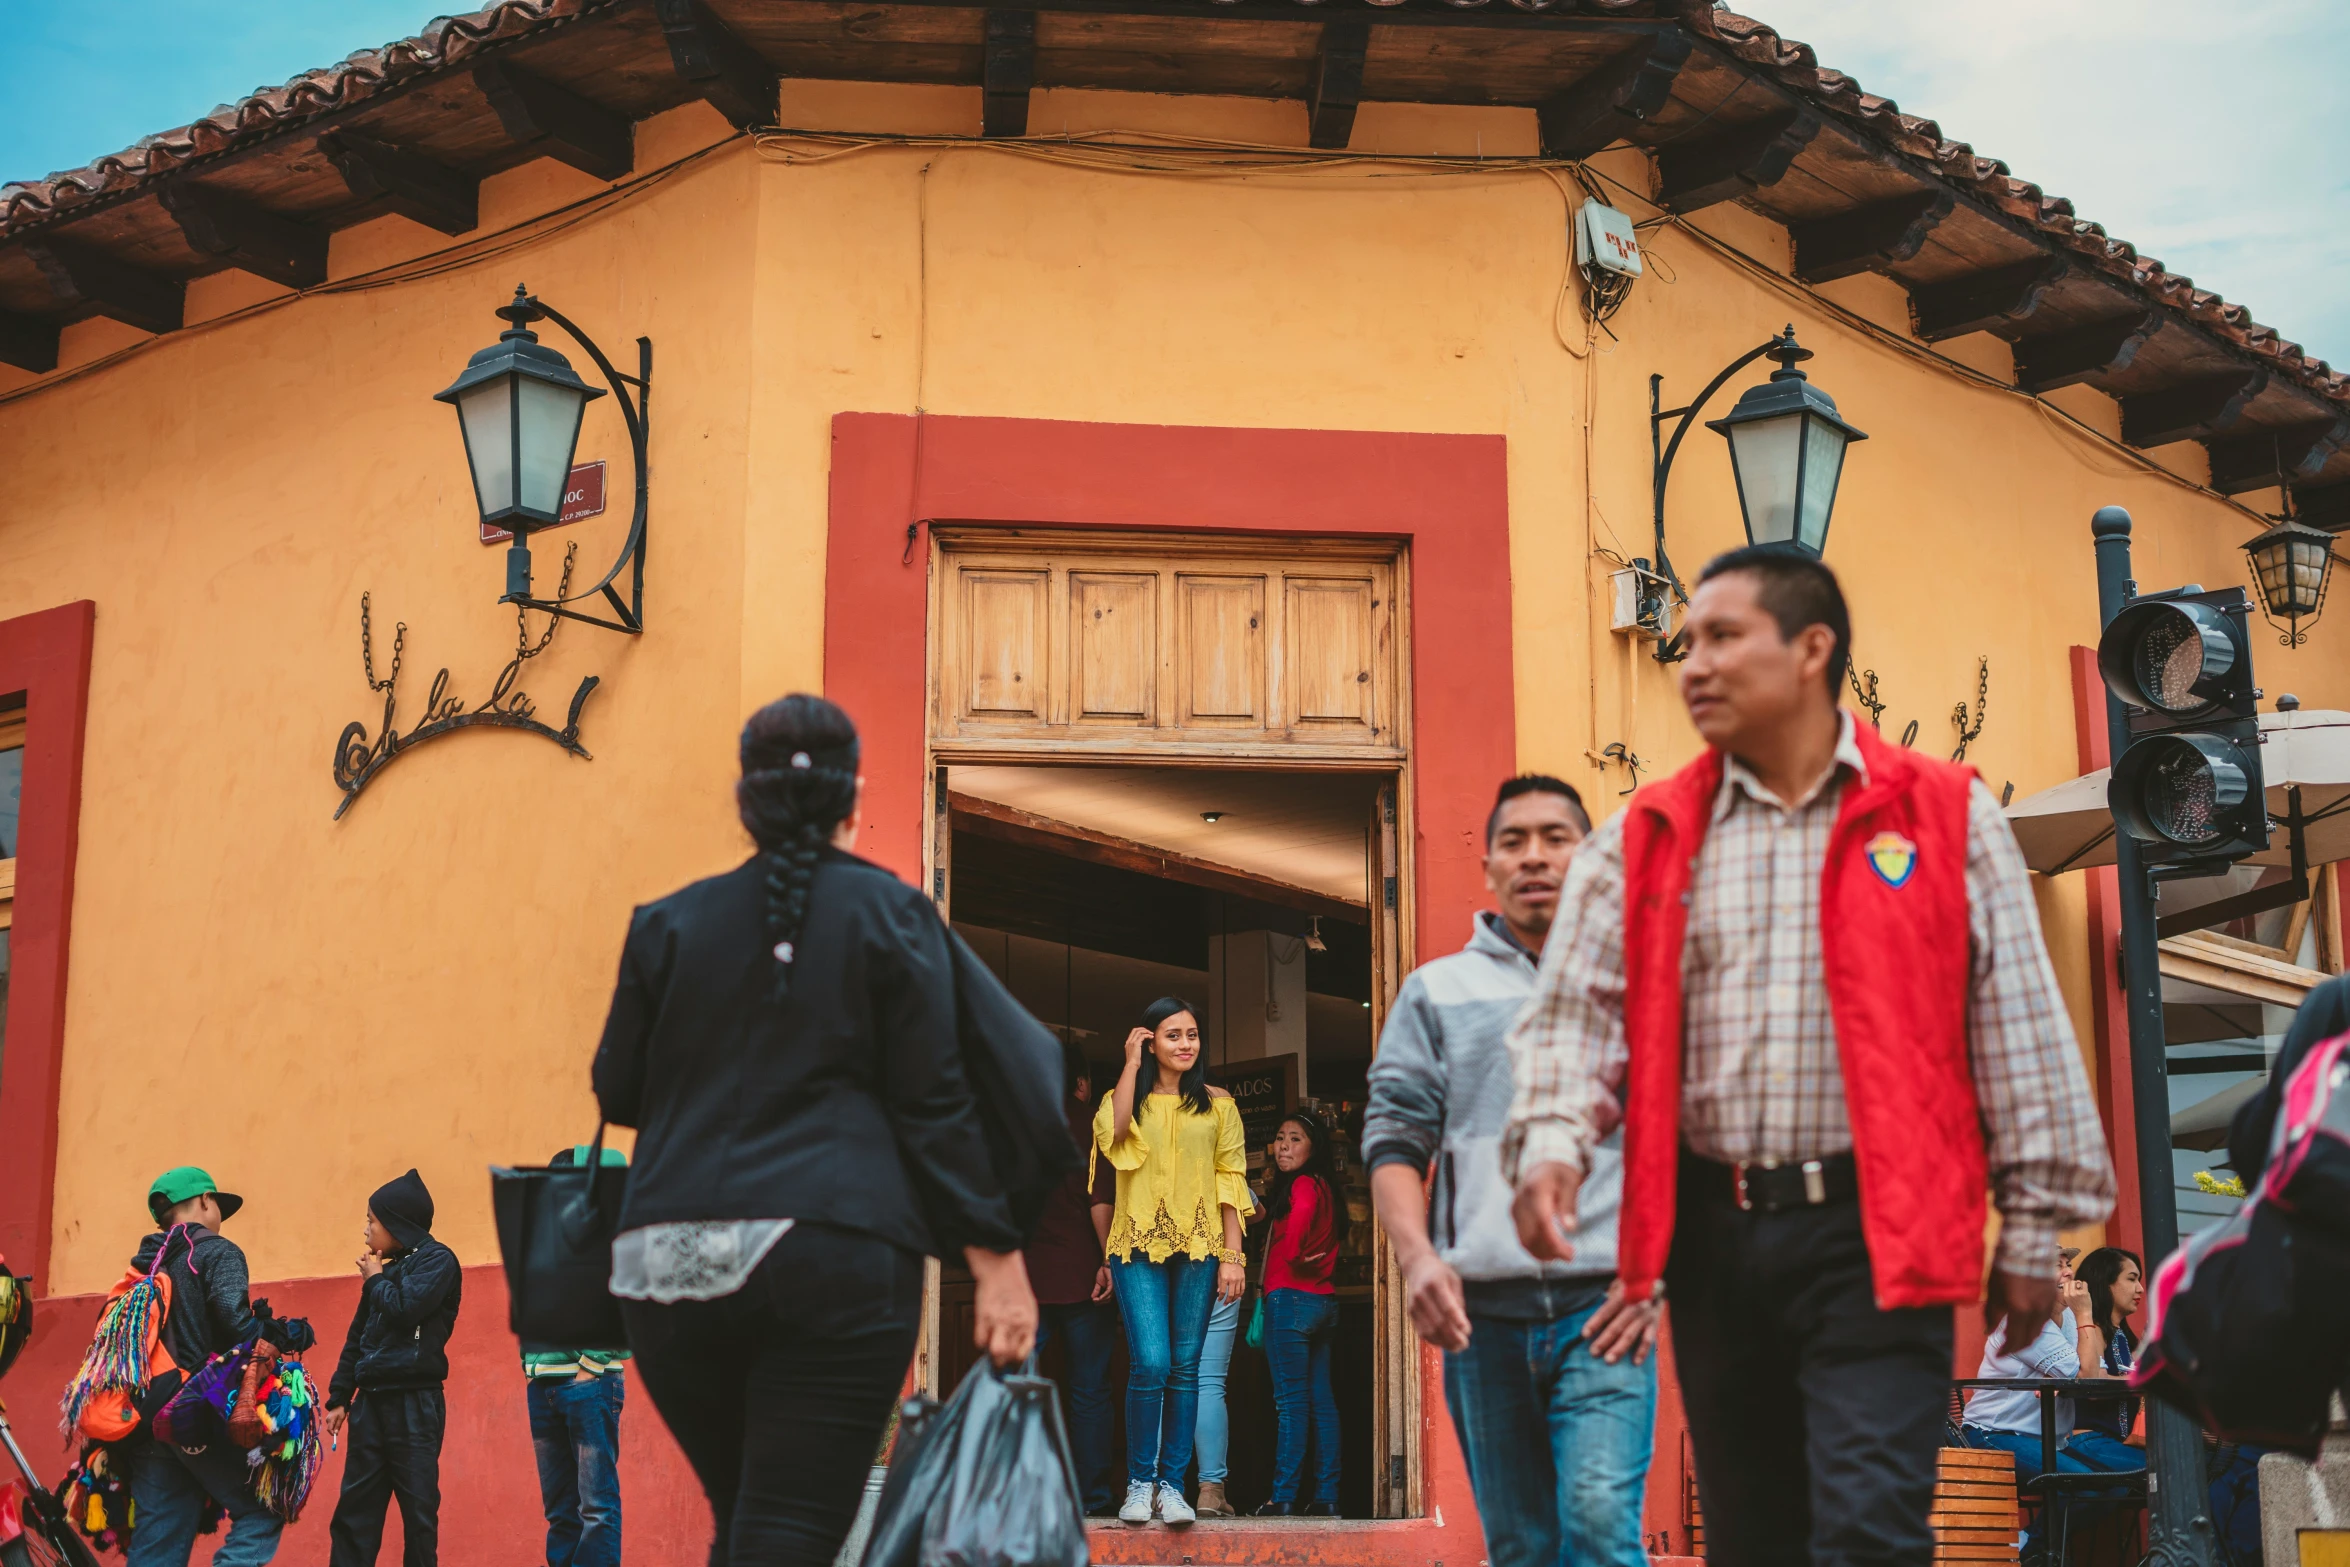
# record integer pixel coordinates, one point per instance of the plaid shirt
(1760, 1076)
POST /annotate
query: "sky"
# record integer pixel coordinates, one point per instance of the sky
(2201, 132)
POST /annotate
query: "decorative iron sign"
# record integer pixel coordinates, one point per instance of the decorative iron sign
(359, 759)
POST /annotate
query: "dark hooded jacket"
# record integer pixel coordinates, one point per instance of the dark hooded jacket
(399, 1336)
(210, 1309)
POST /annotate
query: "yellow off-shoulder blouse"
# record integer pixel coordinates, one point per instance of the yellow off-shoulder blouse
(1176, 1172)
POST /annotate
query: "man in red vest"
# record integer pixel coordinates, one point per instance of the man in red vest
(1805, 975)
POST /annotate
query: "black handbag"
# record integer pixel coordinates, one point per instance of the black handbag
(555, 1229)
(1016, 1071)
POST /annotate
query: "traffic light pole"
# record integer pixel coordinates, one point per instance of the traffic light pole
(2177, 1500)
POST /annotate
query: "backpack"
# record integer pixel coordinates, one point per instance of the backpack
(127, 1372)
(2246, 1328)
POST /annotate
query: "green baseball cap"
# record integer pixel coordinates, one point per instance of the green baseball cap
(174, 1187)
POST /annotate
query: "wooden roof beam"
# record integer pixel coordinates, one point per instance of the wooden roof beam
(1734, 164)
(1615, 100)
(407, 182)
(2193, 410)
(1984, 300)
(553, 119)
(2268, 459)
(712, 59)
(28, 342)
(258, 241)
(1870, 238)
(80, 278)
(1338, 83)
(2085, 353)
(1008, 71)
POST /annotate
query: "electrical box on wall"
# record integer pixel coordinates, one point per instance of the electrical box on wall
(1640, 603)
(1605, 241)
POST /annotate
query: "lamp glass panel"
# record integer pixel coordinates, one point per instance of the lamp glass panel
(2308, 578)
(1768, 454)
(549, 426)
(487, 412)
(1823, 465)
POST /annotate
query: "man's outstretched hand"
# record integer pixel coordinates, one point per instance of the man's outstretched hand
(1545, 1210)
(2025, 1303)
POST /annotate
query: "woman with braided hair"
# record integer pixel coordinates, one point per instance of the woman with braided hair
(783, 1037)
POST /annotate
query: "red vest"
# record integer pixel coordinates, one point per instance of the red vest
(1893, 937)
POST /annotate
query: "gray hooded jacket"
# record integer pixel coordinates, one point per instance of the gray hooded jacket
(1440, 1093)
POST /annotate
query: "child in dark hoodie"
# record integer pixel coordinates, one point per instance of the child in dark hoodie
(388, 1383)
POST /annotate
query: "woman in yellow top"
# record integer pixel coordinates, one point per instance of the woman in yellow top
(1174, 1245)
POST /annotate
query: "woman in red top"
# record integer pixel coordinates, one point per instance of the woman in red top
(1301, 1315)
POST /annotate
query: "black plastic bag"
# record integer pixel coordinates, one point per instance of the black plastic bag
(555, 1228)
(985, 1481)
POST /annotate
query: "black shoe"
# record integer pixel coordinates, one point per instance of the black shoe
(1102, 1510)
(1318, 1510)
(1274, 1510)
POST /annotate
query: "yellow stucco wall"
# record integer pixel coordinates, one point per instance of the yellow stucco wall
(423, 981)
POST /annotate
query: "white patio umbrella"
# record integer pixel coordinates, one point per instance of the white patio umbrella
(2069, 827)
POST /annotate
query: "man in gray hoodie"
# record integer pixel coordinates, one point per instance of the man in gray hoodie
(1547, 1368)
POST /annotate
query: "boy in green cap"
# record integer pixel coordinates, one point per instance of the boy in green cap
(210, 1312)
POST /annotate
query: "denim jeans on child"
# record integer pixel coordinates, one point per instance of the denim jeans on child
(169, 1487)
(1165, 1306)
(1299, 1326)
(1213, 1430)
(1557, 1439)
(1091, 1327)
(575, 1427)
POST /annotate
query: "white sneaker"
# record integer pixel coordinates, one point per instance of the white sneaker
(1173, 1509)
(1137, 1508)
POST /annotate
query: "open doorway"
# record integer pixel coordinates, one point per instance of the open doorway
(1265, 897)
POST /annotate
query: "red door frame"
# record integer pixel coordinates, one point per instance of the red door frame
(45, 657)
(1446, 496)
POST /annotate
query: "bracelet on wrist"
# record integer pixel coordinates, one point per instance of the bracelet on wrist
(1231, 1258)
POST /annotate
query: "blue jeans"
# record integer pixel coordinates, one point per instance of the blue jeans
(1299, 1325)
(1213, 1432)
(1557, 1439)
(169, 1487)
(1091, 1327)
(2079, 1454)
(1165, 1306)
(575, 1428)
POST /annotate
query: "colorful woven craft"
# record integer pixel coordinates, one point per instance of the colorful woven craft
(287, 1461)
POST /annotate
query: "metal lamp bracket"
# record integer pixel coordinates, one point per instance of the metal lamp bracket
(1662, 451)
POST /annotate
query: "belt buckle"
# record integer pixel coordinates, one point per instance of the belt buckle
(1738, 1171)
(1815, 1182)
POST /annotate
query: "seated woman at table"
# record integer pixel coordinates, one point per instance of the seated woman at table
(2116, 1282)
(2009, 1418)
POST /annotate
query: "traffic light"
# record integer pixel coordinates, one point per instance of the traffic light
(2188, 785)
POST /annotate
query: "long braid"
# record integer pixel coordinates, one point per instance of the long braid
(799, 782)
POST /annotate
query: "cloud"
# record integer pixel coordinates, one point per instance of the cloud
(2204, 134)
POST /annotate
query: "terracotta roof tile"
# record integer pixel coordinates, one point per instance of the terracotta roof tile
(448, 40)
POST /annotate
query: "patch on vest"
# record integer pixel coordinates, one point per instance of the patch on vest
(1892, 857)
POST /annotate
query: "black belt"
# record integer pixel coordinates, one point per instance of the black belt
(1773, 1186)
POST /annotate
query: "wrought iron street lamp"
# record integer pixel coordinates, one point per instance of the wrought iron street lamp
(1787, 445)
(2291, 563)
(520, 404)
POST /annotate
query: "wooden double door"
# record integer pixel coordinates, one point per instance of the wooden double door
(1211, 651)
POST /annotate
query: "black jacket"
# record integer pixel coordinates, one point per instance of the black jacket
(2323, 1013)
(210, 1309)
(399, 1336)
(846, 1104)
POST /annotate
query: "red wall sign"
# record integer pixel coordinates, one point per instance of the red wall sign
(583, 496)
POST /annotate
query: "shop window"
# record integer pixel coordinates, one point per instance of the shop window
(2228, 996)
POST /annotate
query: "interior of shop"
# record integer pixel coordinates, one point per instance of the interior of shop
(1092, 891)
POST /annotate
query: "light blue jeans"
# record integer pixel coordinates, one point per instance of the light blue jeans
(169, 1488)
(1213, 1433)
(1165, 1306)
(1558, 1442)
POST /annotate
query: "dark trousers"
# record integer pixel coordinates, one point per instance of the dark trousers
(1092, 1330)
(575, 1431)
(779, 1393)
(394, 1450)
(1816, 1418)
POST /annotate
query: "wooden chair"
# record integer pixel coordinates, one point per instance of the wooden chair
(1974, 1515)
